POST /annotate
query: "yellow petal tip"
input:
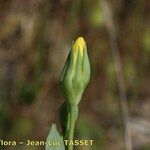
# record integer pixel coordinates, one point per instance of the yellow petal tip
(78, 46)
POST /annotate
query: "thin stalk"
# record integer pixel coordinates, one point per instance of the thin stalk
(73, 118)
(108, 20)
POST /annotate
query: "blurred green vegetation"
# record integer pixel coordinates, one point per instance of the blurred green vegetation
(35, 38)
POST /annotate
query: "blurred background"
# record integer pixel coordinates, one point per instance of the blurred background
(35, 38)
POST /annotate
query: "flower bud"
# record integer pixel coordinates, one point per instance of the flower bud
(76, 73)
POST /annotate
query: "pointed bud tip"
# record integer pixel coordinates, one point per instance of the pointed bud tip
(78, 46)
(80, 41)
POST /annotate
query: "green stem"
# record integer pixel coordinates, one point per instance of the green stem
(73, 118)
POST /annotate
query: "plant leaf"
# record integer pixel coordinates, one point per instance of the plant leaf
(54, 140)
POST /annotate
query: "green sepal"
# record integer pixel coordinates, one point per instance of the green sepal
(64, 115)
(86, 68)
